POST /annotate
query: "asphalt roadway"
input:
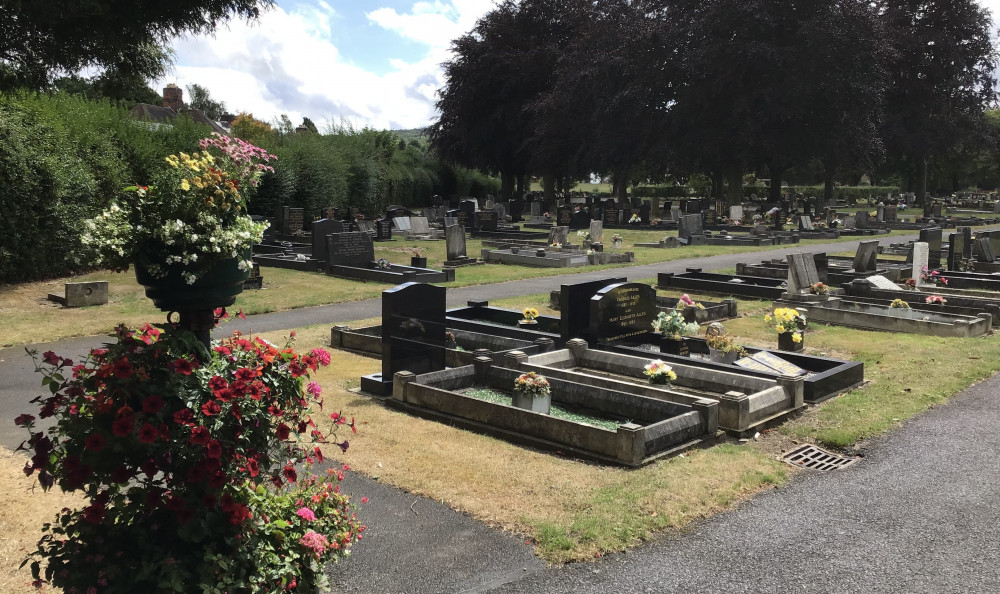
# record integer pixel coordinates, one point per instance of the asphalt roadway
(919, 513)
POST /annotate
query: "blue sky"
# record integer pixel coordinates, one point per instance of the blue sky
(373, 63)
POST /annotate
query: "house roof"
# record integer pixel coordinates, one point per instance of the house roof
(166, 115)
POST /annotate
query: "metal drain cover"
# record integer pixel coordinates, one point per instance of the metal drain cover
(814, 458)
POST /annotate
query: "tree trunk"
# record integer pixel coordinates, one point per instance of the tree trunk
(774, 192)
(520, 184)
(621, 188)
(922, 181)
(549, 187)
(734, 191)
(827, 188)
(506, 185)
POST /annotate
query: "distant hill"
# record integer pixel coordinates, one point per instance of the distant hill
(412, 134)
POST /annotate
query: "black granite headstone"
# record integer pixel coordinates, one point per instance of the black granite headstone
(383, 229)
(413, 329)
(564, 216)
(320, 229)
(932, 237)
(644, 211)
(611, 216)
(350, 249)
(982, 250)
(292, 220)
(623, 311)
(574, 306)
(487, 220)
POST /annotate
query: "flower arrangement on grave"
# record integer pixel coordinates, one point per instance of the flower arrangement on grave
(672, 325)
(634, 219)
(556, 245)
(757, 218)
(187, 459)
(911, 284)
(786, 319)
(591, 252)
(617, 237)
(725, 344)
(935, 300)
(899, 304)
(933, 277)
(836, 223)
(819, 289)
(383, 264)
(532, 384)
(584, 233)
(658, 372)
(685, 302)
(191, 216)
(529, 313)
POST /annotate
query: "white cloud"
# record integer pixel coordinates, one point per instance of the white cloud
(286, 64)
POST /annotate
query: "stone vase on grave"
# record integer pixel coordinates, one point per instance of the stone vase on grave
(528, 324)
(721, 356)
(418, 262)
(540, 403)
(515, 249)
(540, 252)
(787, 343)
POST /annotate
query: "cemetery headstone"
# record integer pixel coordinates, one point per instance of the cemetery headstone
(82, 294)
(690, 225)
(849, 222)
(320, 229)
(644, 211)
(865, 257)
(420, 226)
(735, 213)
(574, 306)
(454, 238)
(622, 311)
(611, 216)
(891, 214)
(402, 223)
(982, 250)
(880, 213)
(693, 206)
(936, 209)
(487, 220)
(920, 257)
(564, 216)
(881, 282)
(413, 329)
(802, 273)
(861, 219)
(822, 262)
(536, 209)
(366, 226)
(596, 231)
(292, 220)
(353, 249)
(675, 213)
(805, 223)
(932, 237)
(383, 230)
(558, 235)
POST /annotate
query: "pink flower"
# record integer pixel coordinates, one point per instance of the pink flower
(306, 514)
(315, 542)
(321, 355)
(314, 389)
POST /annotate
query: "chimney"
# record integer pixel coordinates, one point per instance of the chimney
(173, 97)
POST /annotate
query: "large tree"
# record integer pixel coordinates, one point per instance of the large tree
(942, 78)
(200, 98)
(39, 39)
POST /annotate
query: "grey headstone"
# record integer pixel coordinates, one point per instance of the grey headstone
(891, 214)
(881, 282)
(536, 209)
(802, 272)
(805, 223)
(401, 223)
(862, 219)
(454, 237)
(736, 213)
(350, 249)
(921, 252)
(864, 258)
(982, 250)
(597, 231)
(849, 222)
(449, 221)
(690, 225)
(675, 213)
(996, 207)
(420, 225)
(366, 226)
(558, 235)
(880, 213)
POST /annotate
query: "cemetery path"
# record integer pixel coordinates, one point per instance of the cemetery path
(917, 510)
(919, 513)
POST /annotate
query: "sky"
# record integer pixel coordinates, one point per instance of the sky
(370, 63)
(365, 62)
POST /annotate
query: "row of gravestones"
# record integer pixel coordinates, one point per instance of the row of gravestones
(414, 320)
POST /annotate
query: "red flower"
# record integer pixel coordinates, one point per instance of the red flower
(24, 420)
(183, 416)
(94, 513)
(211, 408)
(289, 473)
(95, 442)
(217, 383)
(200, 435)
(239, 514)
(182, 366)
(283, 431)
(148, 433)
(252, 467)
(123, 426)
(121, 474)
(241, 315)
(213, 449)
(122, 368)
(245, 374)
(319, 454)
(51, 358)
(152, 405)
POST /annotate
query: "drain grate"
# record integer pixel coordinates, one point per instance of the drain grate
(814, 458)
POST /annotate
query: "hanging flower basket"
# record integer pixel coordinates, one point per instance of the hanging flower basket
(217, 288)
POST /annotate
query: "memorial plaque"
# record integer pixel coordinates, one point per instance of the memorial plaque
(736, 213)
(350, 249)
(611, 216)
(622, 311)
(383, 230)
(866, 256)
(802, 272)
(574, 306)
(487, 220)
(413, 329)
(880, 282)
(292, 220)
(778, 364)
(752, 364)
(454, 239)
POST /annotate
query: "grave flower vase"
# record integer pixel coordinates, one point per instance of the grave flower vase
(418, 262)
(675, 346)
(722, 356)
(540, 403)
(528, 324)
(785, 342)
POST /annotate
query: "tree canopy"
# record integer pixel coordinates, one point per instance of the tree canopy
(41, 39)
(200, 98)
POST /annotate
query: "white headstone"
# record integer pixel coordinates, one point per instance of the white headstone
(402, 223)
(882, 283)
(921, 253)
(736, 213)
(597, 231)
(420, 225)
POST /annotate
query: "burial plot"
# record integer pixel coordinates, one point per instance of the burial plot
(866, 256)
(413, 334)
(690, 231)
(622, 311)
(802, 274)
(353, 249)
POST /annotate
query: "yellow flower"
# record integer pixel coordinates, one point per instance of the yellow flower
(672, 375)
(797, 337)
(172, 161)
(780, 328)
(185, 185)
